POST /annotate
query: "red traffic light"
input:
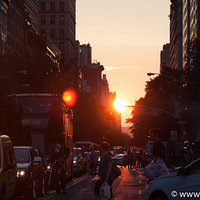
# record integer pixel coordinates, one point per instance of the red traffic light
(70, 97)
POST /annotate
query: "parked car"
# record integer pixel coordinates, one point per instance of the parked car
(173, 185)
(79, 161)
(120, 159)
(30, 172)
(98, 154)
(8, 168)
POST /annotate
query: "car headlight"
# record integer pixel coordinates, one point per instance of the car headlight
(48, 167)
(99, 159)
(74, 161)
(21, 173)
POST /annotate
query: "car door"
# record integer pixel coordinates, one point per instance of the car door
(9, 171)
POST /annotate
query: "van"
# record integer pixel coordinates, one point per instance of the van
(8, 168)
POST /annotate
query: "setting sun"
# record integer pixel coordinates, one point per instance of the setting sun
(120, 104)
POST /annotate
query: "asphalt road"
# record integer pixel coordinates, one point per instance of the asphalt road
(130, 185)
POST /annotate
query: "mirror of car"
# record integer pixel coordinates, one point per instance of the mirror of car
(181, 171)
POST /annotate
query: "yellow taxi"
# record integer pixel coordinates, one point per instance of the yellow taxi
(8, 168)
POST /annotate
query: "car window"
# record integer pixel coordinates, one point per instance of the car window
(22, 155)
(193, 169)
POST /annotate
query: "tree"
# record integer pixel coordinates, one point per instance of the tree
(192, 87)
(157, 109)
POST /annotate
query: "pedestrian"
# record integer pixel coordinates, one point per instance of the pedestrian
(159, 149)
(129, 158)
(157, 167)
(105, 167)
(93, 160)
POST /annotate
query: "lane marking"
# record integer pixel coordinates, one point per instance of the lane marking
(76, 182)
(53, 193)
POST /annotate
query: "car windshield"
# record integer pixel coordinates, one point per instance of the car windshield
(22, 155)
(32, 104)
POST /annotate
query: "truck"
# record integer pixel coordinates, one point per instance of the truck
(42, 121)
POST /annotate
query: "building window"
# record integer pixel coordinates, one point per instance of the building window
(62, 33)
(52, 33)
(43, 19)
(61, 46)
(62, 6)
(52, 6)
(61, 20)
(43, 32)
(52, 19)
(43, 6)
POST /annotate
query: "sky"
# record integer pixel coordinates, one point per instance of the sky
(126, 37)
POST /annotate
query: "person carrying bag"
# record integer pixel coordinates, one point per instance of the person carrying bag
(105, 174)
(157, 167)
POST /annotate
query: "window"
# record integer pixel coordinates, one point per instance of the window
(61, 46)
(61, 20)
(43, 19)
(43, 6)
(52, 6)
(43, 32)
(62, 6)
(52, 33)
(52, 19)
(62, 33)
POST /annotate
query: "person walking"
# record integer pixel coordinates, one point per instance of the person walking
(93, 160)
(159, 149)
(105, 167)
(159, 154)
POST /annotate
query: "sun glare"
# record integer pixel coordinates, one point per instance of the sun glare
(120, 104)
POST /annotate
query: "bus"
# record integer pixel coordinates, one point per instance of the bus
(42, 121)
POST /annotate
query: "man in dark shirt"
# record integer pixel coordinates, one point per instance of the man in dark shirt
(159, 149)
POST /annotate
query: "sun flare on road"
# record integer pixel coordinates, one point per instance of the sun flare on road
(120, 105)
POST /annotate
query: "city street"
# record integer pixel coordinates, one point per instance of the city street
(130, 185)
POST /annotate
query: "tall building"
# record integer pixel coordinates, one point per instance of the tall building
(86, 54)
(164, 58)
(31, 12)
(176, 29)
(191, 24)
(57, 20)
(3, 25)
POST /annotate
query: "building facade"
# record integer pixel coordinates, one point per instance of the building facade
(164, 58)
(57, 20)
(191, 25)
(176, 30)
(3, 25)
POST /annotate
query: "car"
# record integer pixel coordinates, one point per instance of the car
(8, 168)
(79, 161)
(183, 181)
(98, 154)
(118, 149)
(30, 173)
(120, 159)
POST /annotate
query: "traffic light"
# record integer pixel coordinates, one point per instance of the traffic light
(70, 97)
